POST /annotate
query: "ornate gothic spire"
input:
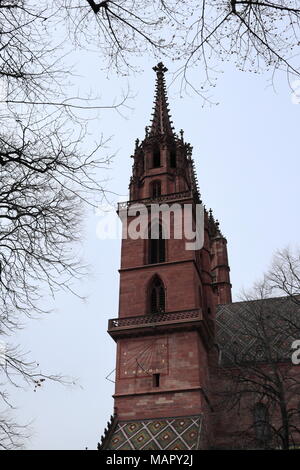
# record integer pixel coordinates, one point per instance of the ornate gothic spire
(161, 122)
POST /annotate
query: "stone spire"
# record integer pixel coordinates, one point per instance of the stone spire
(161, 122)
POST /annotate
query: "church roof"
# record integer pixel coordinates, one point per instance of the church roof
(161, 121)
(244, 328)
(179, 433)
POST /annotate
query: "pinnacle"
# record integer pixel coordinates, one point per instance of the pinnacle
(161, 121)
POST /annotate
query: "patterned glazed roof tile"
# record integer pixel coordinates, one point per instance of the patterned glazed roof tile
(163, 434)
(239, 329)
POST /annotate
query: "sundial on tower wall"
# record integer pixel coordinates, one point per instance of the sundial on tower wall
(140, 359)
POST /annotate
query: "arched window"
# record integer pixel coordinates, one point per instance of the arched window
(173, 158)
(157, 248)
(155, 189)
(157, 296)
(262, 424)
(156, 157)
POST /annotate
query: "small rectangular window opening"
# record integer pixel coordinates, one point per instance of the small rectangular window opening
(156, 379)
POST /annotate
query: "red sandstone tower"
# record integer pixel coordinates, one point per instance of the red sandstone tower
(168, 296)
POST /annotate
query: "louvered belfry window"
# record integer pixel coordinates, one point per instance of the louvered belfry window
(173, 158)
(157, 248)
(155, 189)
(157, 296)
(156, 157)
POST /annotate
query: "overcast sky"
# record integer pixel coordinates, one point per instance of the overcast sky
(246, 151)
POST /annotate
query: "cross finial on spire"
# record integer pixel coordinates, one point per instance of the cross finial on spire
(161, 121)
(160, 68)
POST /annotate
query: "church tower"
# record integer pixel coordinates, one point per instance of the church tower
(168, 297)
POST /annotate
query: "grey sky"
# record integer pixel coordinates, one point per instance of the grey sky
(246, 151)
